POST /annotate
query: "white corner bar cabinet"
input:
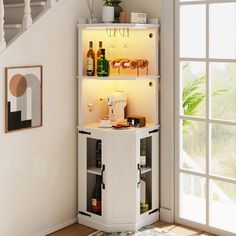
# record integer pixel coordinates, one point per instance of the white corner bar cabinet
(129, 190)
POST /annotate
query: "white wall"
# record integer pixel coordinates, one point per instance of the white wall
(38, 167)
(151, 7)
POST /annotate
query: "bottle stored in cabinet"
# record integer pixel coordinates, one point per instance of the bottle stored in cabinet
(90, 60)
(99, 52)
(96, 196)
(103, 65)
(143, 157)
(98, 154)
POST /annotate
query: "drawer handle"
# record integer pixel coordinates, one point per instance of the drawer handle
(154, 211)
(84, 214)
(139, 169)
(84, 132)
(153, 131)
(102, 184)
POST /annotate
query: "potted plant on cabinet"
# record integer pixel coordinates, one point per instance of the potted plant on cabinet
(108, 11)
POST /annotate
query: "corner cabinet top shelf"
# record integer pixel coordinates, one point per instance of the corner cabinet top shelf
(119, 25)
(123, 77)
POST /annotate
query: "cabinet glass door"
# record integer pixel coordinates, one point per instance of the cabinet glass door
(94, 176)
(145, 168)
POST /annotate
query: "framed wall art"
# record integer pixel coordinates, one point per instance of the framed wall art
(23, 101)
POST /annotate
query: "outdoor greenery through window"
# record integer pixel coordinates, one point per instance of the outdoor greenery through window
(206, 78)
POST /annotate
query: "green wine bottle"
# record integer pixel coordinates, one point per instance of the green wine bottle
(103, 65)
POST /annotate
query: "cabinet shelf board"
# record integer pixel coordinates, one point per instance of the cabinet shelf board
(150, 77)
(95, 127)
(94, 170)
(145, 170)
(118, 25)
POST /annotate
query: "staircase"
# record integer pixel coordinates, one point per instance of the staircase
(16, 16)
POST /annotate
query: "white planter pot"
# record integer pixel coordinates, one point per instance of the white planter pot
(108, 14)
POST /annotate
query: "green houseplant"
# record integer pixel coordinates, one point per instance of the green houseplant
(193, 97)
(108, 3)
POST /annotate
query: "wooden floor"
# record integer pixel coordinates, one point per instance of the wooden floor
(180, 230)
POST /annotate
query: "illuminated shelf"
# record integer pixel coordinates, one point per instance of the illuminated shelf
(150, 77)
(95, 127)
(119, 25)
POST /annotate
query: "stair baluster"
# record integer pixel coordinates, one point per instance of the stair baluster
(51, 3)
(27, 18)
(2, 34)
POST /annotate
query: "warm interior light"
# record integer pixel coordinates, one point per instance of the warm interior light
(134, 45)
(141, 98)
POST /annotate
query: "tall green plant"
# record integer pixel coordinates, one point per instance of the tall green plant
(192, 98)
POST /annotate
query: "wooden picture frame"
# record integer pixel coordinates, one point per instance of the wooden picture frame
(23, 98)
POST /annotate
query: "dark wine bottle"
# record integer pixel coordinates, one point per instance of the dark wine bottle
(103, 67)
(97, 196)
(99, 154)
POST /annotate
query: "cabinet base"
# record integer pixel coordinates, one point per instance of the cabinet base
(117, 227)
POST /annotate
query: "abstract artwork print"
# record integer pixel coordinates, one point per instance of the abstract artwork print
(23, 102)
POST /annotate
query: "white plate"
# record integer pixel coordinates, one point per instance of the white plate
(105, 127)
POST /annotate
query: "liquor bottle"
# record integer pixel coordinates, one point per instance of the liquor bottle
(96, 196)
(103, 65)
(143, 147)
(90, 60)
(98, 153)
(99, 52)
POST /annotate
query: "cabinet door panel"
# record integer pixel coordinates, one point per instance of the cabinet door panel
(88, 173)
(148, 189)
(155, 172)
(121, 184)
(82, 169)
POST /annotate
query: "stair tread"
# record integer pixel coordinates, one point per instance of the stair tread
(13, 5)
(12, 26)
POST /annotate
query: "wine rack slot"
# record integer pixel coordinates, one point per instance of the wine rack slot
(94, 195)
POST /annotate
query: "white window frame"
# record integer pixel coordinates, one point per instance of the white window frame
(208, 121)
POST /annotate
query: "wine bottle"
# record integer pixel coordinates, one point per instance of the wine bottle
(143, 147)
(103, 65)
(90, 60)
(98, 154)
(96, 196)
(99, 52)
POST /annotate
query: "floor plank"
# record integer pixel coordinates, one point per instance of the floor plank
(180, 230)
(207, 234)
(185, 231)
(74, 230)
(164, 226)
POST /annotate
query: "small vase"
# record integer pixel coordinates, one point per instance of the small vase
(117, 10)
(108, 14)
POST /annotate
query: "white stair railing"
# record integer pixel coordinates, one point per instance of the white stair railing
(51, 3)
(27, 18)
(2, 34)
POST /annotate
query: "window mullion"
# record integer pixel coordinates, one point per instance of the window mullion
(208, 133)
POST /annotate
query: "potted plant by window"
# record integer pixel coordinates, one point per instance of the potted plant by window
(108, 11)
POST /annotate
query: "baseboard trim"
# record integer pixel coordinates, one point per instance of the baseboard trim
(166, 215)
(57, 227)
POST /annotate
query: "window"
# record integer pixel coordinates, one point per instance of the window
(206, 114)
